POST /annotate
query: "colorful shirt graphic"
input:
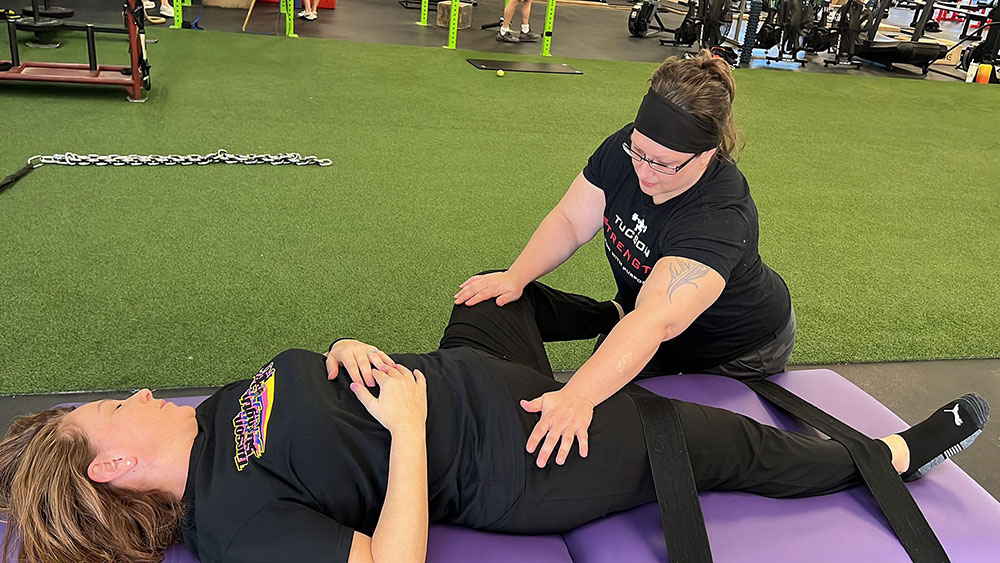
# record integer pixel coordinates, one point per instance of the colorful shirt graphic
(250, 425)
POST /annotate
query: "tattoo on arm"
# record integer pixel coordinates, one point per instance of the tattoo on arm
(684, 272)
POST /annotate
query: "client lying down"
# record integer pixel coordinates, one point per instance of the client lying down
(322, 457)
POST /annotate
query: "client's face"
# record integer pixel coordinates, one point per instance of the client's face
(139, 427)
(657, 185)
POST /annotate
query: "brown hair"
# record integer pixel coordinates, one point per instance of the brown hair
(702, 86)
(59, 514)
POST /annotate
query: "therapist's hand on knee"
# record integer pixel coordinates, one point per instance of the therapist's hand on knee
(565, 418)
(502, 285)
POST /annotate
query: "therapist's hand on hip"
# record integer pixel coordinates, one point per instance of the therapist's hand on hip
(566, 416)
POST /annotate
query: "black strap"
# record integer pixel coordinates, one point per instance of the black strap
(673, 480)
(891, 495)
(10, 180)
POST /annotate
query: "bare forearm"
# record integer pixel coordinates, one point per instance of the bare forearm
(627, 349)
(401, 533)
(676, 292)
(553, 242)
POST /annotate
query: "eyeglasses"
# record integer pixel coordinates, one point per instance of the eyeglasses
(657, 167)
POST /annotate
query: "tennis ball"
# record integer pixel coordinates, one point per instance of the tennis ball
(500, 72)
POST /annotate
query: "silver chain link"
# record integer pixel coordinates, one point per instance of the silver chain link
(218, 157)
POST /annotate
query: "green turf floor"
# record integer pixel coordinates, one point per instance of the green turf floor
(878, 201)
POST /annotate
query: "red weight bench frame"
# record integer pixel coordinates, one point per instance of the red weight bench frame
(133, 78)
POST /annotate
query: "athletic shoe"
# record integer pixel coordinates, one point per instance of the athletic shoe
(167, 11)
(302, 14)
(311, 17)
(528, 37)
(507, 37)
(148, 4)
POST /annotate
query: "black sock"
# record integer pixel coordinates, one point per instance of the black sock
(951, 429)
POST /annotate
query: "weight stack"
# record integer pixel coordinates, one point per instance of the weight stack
(750, 34)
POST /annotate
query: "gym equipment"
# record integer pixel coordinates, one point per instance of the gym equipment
(705, 25)
(39, 24)
(726, 53)
(285, 7)
(888, 53)
(641, 16)
(523, 66)
(950, 11)
(744, 527)
(417, 5)
(718, 20)
(793, 26)
(734, 41)
(495, 24)
(220, 156)
(676, 490)
(986, 51)
(425, 8)
(46, 10)
(769, 34)
(688, 32)
(134, 78)
(820, 36)
(858, 26)
(789, 23)
(750, 35)
(178, 17)
(550, 20)
(976, 51)
(853, 22)
(971, 15)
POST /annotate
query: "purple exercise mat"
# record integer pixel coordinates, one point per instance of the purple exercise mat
(846, 526)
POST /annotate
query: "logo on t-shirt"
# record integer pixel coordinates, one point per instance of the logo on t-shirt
(250, 425)
(640, 227)
(624, 245)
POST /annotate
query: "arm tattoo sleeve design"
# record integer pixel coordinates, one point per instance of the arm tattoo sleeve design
(684, 272)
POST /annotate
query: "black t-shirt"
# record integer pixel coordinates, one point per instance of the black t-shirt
(715, 223)
(287, 465)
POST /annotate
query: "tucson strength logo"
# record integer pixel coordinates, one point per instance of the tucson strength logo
(617, 238)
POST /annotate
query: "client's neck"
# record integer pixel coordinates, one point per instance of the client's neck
(167, 471)
(176, 474)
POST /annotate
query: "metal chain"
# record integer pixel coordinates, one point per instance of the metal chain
(218, 157)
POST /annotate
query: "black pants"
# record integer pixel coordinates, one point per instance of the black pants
(728, 451)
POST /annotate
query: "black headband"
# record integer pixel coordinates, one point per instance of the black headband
(664, 122)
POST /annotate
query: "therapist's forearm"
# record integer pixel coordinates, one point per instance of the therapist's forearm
(627, 349)
(553, 242)
(401, 532)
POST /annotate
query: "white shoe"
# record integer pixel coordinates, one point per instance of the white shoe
(148, 4)
(302, 14)
(311, 17)
(167, 11)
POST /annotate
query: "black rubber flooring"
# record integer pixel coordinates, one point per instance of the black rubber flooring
(588, 30)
